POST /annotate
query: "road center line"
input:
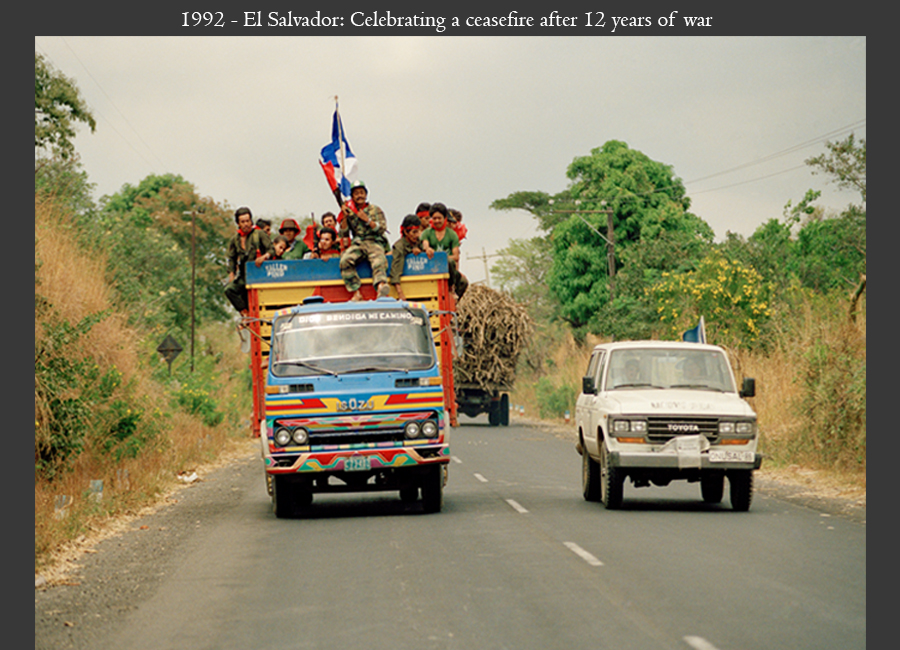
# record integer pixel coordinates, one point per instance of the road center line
(699, 643)
(517, 507)
(481, 478)
(584, 555)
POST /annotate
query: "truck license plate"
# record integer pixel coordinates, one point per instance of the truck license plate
(357, 464)
(730, 456)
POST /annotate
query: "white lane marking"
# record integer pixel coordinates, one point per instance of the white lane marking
(584, 555)
(456, 459)
(699, 643)
(517, 507)
(481, 478)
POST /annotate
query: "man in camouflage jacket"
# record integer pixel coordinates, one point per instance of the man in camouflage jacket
(368, 226)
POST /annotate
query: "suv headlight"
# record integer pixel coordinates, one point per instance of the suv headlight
(621, 427)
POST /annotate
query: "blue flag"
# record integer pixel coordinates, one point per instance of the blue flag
(696, 334)
(337, 160)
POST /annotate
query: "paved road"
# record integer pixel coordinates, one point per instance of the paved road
(516, 560)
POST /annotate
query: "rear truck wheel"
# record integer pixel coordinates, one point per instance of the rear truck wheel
(590, 477)
(612, 481)
(712, 486)
(433, 489)
(740, 482)
(494, 413)
(283, 501)
(409, 494)
(504, 409)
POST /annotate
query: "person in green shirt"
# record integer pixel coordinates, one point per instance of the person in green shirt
(297, 248)
(439, 237)
(249, 243)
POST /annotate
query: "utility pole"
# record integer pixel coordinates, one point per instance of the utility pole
(193, 277)
(484, 256)
(609, 238)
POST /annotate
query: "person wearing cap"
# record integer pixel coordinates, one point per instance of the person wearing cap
(249, 243)
(296, 247)
(367, 225)
(408, 244)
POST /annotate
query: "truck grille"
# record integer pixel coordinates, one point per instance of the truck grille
(663, 429)
(354, 437)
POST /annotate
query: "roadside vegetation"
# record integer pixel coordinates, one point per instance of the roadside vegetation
(787, 302)
(115, 425)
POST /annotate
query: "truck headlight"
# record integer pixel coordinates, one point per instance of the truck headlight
(411, 430)
(300, 436)
(429, 429)
(282, 437)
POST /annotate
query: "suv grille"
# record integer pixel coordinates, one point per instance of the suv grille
(663, 429)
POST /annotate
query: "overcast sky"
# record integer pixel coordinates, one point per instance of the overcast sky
(466, 120)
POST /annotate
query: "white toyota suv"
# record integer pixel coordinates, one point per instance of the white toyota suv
(658, 411)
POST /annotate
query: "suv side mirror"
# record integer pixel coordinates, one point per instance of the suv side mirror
(748, 389)
(587, 385)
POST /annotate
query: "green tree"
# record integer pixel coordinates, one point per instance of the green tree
(845, 162)
(522, 273)
(150, 230)
(648, 204)
(58, 106)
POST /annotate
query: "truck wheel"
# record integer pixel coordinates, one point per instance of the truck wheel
(409, 494)
(590, 477)
(433, 489)
(612, 482)
(494, 413)
(283, 500)
(740, 483)
(712, 486)
(504, 410)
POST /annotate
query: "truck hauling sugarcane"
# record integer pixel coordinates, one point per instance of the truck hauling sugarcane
(494, 330)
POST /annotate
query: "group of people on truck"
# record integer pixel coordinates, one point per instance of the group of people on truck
(359, 233)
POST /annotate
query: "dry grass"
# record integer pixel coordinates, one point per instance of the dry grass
(74, 284)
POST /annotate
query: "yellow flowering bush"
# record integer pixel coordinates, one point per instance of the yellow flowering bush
(731, 297)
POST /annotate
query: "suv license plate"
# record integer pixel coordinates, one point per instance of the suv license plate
(357, 464)
(730, 456)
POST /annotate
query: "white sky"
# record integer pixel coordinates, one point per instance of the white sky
(466, 120)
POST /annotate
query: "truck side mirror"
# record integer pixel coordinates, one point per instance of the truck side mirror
(748, 389)
(587, 385)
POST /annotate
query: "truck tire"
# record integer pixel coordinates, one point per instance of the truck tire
(494, 413)
(409, 494)
(504, 409)
(590, 477)
(712, 486)
(283, 501)
(433, 489)
(612, 482)
(740, 482)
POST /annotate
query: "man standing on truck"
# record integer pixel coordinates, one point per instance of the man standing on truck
(250, 243)
(367, 224)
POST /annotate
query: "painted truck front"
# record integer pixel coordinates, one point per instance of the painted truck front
(352, 395)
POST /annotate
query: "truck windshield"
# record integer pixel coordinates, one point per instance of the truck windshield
(669, 368)
(351, 341)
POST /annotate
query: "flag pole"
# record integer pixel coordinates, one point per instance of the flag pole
(338, 195)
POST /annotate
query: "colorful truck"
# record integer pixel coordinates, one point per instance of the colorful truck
(351, 396)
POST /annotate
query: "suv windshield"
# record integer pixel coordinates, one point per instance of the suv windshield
(352, 341)
(669, 368)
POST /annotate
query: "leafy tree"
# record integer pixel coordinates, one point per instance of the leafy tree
(64, 181)
(831, 252)
(648, 204)
(846, 162)
(148, 229)
(522, 272)
(58, 106)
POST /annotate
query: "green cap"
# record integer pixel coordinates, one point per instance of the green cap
(359, 184)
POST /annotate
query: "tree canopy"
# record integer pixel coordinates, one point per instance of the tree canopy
(58, 107)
